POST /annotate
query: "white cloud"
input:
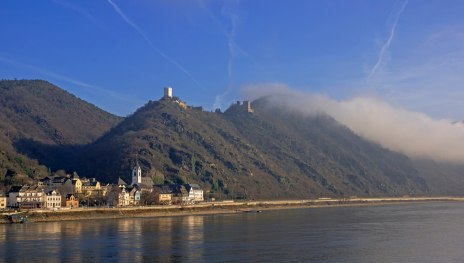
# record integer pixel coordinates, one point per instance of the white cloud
(413, 133)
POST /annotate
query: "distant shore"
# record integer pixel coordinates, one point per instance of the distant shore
(226, 207)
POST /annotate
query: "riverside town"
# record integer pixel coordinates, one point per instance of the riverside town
(71, 191)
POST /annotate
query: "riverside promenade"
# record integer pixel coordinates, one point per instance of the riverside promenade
(204, 208)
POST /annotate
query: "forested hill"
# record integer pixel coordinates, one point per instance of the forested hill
(41, 111)
(265, 154)
(35, 114)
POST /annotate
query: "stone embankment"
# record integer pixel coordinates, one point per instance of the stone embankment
(63, 214)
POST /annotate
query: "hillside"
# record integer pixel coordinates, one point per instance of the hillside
(265, 154)
(270, 153)
(39, 110)
(35, 117)
(444, 178)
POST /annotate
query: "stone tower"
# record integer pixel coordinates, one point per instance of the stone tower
(168, 92)
(247, 106)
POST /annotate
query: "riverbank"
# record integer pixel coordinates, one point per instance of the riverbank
(65, 214)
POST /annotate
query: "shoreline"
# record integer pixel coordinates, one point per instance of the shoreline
(212, 208)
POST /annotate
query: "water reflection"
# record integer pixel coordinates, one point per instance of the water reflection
(139, 239)
(363, 234)
(194, 237)
(2, 235)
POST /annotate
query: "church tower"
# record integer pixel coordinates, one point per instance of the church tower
(136, 174)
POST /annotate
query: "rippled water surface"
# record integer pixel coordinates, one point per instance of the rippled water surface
(421, 232)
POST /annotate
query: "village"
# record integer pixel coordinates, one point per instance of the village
(71, 191)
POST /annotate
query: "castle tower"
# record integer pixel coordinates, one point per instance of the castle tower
(247, 105)
(137, 174)
(168, 92)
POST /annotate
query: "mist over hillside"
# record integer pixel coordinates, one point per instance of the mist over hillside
(266, 153)
(289, 145)
(412, 133)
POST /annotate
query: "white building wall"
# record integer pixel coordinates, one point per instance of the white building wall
(53, 201)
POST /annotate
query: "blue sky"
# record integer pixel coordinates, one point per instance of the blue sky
(119, 54)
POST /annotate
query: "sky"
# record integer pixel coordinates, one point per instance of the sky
(120, 54)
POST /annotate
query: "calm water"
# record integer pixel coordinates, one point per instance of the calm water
(427, 232)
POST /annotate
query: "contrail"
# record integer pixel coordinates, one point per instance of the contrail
(155, 48)
(81, 11)
(233, 52)
(232, 46)
(63, 78)
(387, 44)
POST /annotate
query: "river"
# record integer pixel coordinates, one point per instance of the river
(414, 232)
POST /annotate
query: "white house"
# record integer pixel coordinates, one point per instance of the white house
(195, 193)
(52, 199)
(123, 197)
(134, 195)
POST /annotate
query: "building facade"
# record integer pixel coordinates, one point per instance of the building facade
(163, 195)
(52, 199)
(195, 193)
(3, 201)
(31, 197)
(91, 187)
(12, 196)
(72, 201)
(123, 197)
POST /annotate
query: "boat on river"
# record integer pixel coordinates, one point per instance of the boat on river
(19, 217)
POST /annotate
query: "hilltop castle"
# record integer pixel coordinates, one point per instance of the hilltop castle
(168, 92)
(241, 107)
(168, 95)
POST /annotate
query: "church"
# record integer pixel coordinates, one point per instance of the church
(142, 182)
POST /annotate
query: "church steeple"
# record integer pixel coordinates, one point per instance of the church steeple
(136, 174)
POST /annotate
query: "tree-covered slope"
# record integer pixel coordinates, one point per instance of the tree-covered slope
(39, 110)
(266, 154)
(270, 153)
(36, 119)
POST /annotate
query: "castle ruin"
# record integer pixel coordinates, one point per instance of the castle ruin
(245, 106)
